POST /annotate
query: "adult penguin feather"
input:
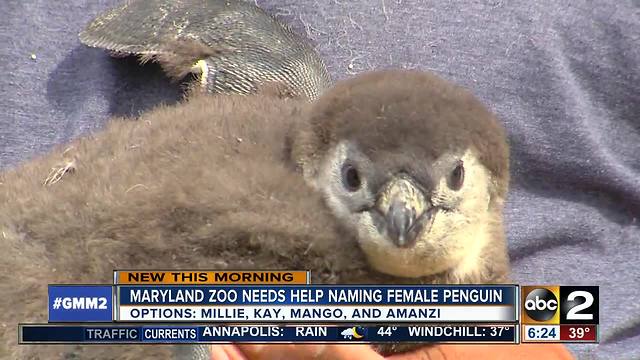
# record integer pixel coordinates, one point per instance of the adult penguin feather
(233, 46)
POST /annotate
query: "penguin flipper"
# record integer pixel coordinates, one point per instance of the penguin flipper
(239, 44)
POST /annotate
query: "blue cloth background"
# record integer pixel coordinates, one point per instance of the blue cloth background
(564, 76)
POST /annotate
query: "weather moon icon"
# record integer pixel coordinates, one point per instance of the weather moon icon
(354, 333)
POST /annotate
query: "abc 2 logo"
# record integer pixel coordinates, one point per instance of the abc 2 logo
(554, 305)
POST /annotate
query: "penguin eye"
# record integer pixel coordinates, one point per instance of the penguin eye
(351, 177)
(457, 177)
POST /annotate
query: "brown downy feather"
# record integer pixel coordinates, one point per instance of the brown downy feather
(210, 183)
(200, 185)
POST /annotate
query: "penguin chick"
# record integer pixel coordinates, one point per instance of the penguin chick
(233, 45)
(213, 183)
(421, 187)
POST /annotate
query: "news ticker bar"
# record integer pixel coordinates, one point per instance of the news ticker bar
(268, 304)
(167, 334)
(561, 333)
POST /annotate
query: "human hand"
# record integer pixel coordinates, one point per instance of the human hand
(293, 351)
(365, 352)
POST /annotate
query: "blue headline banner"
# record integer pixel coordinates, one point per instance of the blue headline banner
(317, 295)
(80, 303)
(114, 334)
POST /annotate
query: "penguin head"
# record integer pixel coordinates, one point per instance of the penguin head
(413, 166)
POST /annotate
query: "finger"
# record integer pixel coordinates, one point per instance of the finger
(488, 352)
(314, 351)
(429, 353)
(346, 351)
(217, 352)
(226, 352)
(522, 351)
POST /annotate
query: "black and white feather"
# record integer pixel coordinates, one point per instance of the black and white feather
(233, 45)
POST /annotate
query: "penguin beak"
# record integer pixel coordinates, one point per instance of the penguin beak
(405, 210)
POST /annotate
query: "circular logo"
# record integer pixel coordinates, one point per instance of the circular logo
(541, 304)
